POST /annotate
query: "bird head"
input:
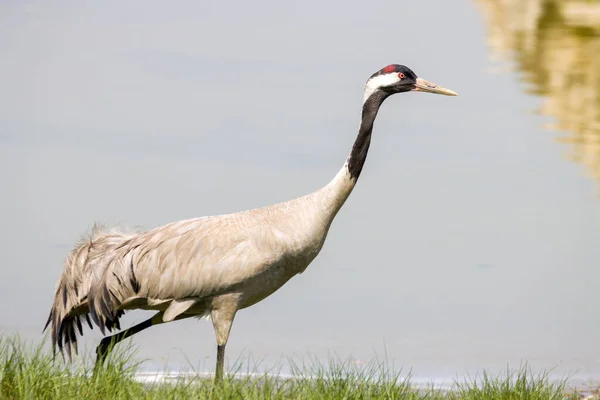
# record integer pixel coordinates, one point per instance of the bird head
(398, 78)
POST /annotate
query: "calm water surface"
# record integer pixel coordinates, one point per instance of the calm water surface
(470, 242)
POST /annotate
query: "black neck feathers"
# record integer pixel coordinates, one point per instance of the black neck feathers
(358, 155)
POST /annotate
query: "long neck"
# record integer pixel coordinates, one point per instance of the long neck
(358, 155)
(339, 188)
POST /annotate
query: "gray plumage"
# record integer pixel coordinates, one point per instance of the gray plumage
(210, 266)
(191, 266)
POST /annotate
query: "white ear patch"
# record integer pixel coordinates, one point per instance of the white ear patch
(378, 81)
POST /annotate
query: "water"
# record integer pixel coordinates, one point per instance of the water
(469, 243)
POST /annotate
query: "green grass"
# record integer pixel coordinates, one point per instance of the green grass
(29, 372)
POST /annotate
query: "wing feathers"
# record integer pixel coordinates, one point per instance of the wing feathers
(177, 307)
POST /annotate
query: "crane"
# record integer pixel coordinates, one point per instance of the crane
(213, 266)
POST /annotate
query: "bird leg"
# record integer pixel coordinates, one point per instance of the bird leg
(107, 343)
(222, 318)
(220, 361)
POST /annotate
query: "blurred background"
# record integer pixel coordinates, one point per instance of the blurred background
(470, 242)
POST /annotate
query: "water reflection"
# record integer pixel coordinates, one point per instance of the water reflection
(555, 44)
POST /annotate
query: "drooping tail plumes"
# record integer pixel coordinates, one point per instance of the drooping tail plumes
(112, 285)
(70, 305)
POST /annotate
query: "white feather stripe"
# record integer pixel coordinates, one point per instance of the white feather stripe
(379, 81)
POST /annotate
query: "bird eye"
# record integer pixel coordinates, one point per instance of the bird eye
(401, 75)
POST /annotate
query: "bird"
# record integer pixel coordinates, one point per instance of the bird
(210, 267)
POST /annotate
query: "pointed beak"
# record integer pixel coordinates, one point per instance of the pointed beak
(425, 86)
